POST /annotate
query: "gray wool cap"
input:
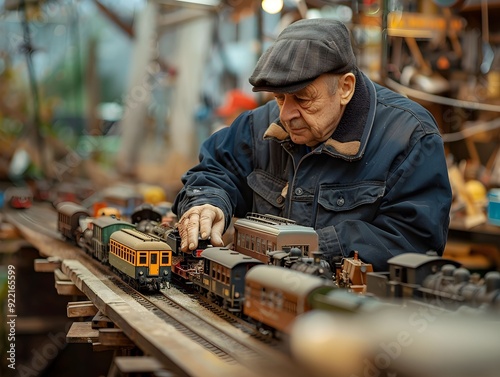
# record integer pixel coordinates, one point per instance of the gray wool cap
(303, 51)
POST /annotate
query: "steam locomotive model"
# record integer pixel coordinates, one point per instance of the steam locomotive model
(435, 280)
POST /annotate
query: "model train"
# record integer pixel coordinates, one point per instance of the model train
(18, 197)
(271, 284)
(219, 273)
(142, 260)
(435, 280)
(257, 235)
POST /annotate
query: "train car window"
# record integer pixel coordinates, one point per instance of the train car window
(255, 293)
(278, 299)
(165, 258)
(289, 306)
(133, 257)
(154, 258)
(206, 267)
(143, 258)
(400, 274)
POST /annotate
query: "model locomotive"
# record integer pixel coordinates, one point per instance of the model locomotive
(435, 280)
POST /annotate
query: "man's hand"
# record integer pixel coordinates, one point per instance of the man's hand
(206, 220)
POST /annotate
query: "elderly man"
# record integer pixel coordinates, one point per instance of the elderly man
(361, 164)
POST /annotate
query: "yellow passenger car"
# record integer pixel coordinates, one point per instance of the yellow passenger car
(142, 260)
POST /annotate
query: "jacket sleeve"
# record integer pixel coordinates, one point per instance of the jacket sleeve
(225, 160)
(413, 215)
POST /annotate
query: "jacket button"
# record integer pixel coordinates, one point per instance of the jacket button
(340, 201)
(299, 191)
(279, 199)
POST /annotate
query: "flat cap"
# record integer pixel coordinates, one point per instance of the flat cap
(303, 51)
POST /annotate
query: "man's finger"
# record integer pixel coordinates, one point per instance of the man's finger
(216, 234)
(193, 230)
(207, 218)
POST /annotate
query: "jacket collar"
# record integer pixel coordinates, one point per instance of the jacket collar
(350, 138)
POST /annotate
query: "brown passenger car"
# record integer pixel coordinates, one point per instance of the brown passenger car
(275, 296)
(256, 235)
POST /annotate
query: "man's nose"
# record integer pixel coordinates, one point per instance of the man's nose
(289, 110)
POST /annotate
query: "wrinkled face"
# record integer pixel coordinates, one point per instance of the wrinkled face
(312, 114)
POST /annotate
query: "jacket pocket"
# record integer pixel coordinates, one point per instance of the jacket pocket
(354, 201)
(267, 192)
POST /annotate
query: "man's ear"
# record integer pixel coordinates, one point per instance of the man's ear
(346, 87)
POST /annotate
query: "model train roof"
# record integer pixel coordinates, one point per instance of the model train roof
(272, 227)
(70, 208)
(138, 240)
(416, 260)
(104, 221)
(286, 280)
(226, 257)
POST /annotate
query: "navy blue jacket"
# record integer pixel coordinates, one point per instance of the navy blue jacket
(379, 185)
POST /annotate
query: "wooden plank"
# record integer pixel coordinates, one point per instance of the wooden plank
(68, 288)
(101, 321)
(47, 264)
(8, 231)
(151, 334)
(60, 276)
(114, 338)
(98, 347)
(137, 364)
(82, 332)
(80, 309)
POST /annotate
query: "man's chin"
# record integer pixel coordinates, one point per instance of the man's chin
(298, 139)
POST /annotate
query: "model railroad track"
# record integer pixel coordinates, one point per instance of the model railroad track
(221, 334)
(229, 317)
(38, 219)
(212, 332)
